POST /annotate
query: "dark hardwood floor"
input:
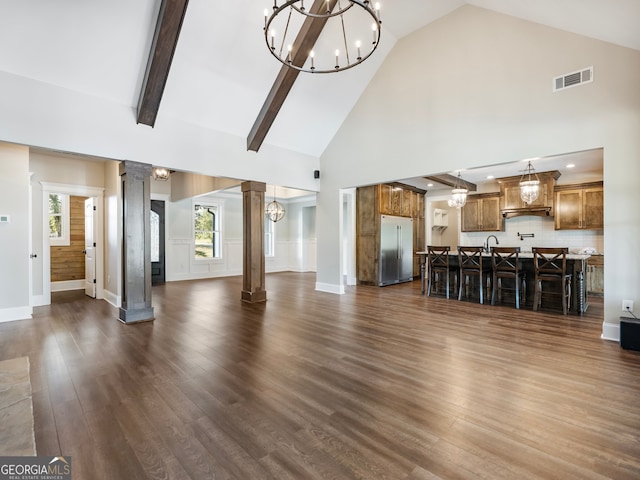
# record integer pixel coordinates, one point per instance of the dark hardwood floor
(378, 383)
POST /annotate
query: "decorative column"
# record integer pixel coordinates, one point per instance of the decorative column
(136, 242)
(253, 290)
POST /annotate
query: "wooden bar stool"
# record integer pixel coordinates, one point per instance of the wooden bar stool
(439, 269)
(550, 266)
(470, 264)
(505, 265)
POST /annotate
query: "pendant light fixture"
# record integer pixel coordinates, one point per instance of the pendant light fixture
(161, 174)
(529, 185)
(458, 194)
(341, 43)
(274, 210)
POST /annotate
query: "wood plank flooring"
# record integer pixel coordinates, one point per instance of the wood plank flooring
(380, 383)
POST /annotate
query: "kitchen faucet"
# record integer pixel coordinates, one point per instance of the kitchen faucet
(486, 245)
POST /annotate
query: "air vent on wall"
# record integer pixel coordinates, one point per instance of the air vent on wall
(573, 79)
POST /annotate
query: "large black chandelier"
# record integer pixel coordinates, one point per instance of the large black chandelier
(342, 33)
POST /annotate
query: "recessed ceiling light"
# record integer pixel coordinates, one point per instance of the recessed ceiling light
(429, 184)
(571, 165)
(489, 177)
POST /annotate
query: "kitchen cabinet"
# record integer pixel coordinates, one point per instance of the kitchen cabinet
(481, 213)
(579, 207)
(595, 274)
(372, 202)
(512, 205)
(394, 200)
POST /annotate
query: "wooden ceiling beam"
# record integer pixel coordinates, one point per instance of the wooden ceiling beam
(165, 39)
(451, 180)
(306, 39)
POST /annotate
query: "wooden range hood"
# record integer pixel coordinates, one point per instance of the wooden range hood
(511, 205)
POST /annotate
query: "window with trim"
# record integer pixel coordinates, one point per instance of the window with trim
(206, 229)
(269, 237)
(59, 219)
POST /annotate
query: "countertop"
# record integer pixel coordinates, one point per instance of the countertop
(570, 256)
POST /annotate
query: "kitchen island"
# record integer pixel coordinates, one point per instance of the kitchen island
(576, 266)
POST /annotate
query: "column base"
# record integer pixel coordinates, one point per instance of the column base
(138, 315)
(254, 297)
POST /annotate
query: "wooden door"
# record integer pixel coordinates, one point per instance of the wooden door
(89, 248)
(568, 215)
(593, 208)
(471, 216)
(491, 220)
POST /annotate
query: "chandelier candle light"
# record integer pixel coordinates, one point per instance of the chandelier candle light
(341, 30)
(529, 188)
(458, 194)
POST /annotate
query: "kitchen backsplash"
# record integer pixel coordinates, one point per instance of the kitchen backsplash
(545, 235)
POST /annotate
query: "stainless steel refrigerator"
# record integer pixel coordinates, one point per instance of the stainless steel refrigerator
(396, 250)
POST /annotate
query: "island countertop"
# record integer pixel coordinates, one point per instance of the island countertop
(576, 266)
(570, 256)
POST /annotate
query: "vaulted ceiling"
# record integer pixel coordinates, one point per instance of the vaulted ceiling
(222, 73)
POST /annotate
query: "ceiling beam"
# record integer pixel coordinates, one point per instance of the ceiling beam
(165, 39)
(306, 39)
(451, 181)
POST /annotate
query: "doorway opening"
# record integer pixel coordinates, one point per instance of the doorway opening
(72, 246)
(157, 242)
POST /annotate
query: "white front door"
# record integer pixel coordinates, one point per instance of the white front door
(89, 248)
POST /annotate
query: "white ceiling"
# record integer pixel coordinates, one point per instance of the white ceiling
(221, 71)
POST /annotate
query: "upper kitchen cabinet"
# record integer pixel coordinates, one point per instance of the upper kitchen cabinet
(579, 207)
(512, 205)
(395, 200)
(481, 213)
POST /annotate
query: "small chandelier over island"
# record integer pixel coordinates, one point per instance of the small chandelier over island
(529, 186)
(458, 194)
(293, 29)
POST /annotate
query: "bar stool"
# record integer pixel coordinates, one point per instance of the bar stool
(505, 265)
(550, 266)
(470, 263)
(439, 270)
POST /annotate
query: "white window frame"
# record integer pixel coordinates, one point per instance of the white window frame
(269, 237)
(217, 231)
(65, 239)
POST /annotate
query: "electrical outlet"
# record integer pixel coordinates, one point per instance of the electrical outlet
(627, 305)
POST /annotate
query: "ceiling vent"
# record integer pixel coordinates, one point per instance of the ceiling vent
(573, 79)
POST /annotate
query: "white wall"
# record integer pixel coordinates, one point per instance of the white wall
(44, 115)
(294, 245)
(14, 235)
(475, 88)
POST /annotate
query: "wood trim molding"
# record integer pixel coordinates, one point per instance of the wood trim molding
(451, 181)
(575, 186)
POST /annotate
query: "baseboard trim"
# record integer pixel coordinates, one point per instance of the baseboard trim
(112, 298)
(66, 285)
(610, 331)
(17, 313)
(330, 288)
